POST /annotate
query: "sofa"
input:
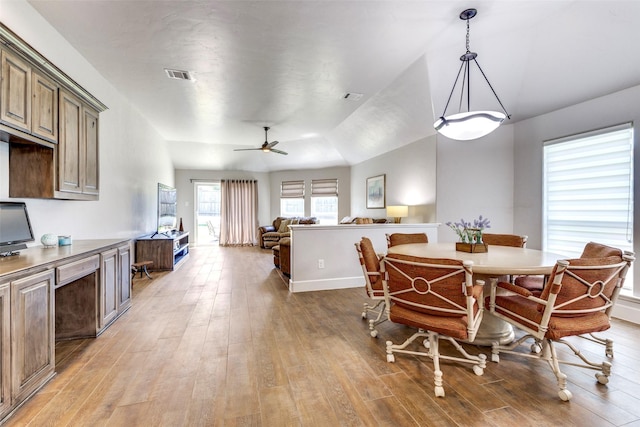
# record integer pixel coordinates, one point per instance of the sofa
(362, 220)
(270, 235)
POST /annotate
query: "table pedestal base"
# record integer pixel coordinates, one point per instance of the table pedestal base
(493, 330)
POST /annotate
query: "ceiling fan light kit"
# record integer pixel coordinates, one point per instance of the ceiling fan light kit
(266, 147)
(469, 125)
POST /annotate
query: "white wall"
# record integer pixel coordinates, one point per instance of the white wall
(410, 180)
(133, 157)
(529, 136)
(476, 178)
(316, 265)
(186, 192)
(343, 174)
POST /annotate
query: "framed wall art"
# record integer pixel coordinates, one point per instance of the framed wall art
(375, 192)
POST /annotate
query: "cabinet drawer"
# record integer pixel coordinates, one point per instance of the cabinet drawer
(75, 270)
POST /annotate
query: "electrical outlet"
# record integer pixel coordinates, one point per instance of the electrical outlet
(320, 263)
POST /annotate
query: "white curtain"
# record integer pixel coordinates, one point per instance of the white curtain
(239, 213)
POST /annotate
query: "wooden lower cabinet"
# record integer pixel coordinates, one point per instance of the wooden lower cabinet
(45, 294)
(32, 333)
(108, 287)
(115, 284)
(5, 347)
(124, 280)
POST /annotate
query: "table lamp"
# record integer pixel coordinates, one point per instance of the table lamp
(397, 213)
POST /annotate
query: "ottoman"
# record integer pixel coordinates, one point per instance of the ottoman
(276, 255)
(285, 255)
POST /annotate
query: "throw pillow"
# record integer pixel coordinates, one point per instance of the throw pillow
(284, 226)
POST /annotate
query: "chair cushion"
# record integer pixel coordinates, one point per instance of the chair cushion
(403, 238)
(272, 236)
(448, 289)
(455, 327)
(372, 264)
(531, 283)
(284, 226)
(572, 288)
(559, 326)
(598, 250)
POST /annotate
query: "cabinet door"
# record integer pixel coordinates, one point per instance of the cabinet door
(70, 150)
(15, 108)
(32, 333)
(108, 286)
(124, 285)
(90, 142)
(5, 349)
(44, 108)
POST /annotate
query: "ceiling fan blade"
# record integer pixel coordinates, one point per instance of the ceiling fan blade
(247, 149)
(272, 144)
(273, 150)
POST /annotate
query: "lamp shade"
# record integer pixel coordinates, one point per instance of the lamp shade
(397, 212)
(469, 125)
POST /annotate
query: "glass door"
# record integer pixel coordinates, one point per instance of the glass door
(207, 213)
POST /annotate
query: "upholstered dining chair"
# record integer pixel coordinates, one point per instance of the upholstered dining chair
(405, 238)
(514, 240)
(438, 297)
(575, 301)
(370, 263)
(535, 284)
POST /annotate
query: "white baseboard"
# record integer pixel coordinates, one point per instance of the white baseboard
(326, 284)
(627, 308)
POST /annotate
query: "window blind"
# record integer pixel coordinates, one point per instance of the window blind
(292, 189)
(324, 188)
(588, 191)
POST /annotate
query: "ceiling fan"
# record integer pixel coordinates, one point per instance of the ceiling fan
(266, 146)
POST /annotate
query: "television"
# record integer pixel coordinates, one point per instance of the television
(167, 209)
(15, 227)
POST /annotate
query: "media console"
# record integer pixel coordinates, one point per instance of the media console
(167, 251)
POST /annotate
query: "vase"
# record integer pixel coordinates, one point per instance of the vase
(49, 240)
(181, 229)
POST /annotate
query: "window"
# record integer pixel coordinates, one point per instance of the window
(292, 198)
(588, 192)
(324, 200)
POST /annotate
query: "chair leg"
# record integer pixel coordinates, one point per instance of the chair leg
(548, 353)
(606, 342)
(432, 344)
(379, 310)
(434, 350)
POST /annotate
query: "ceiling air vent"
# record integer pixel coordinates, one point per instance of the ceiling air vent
(178, 74)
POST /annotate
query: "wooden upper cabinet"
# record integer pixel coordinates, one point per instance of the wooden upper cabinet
(78, 151)
(15, 105)
(50, 123)
(44, 108)
(91, 152)
(71, 159)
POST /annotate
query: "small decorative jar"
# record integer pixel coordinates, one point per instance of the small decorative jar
(49, 240)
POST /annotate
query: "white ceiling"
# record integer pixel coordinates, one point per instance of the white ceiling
(288, 64)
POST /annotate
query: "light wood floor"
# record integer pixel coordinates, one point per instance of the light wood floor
(222, 342)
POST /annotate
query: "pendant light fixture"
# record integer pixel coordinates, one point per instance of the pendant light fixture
(470, 124)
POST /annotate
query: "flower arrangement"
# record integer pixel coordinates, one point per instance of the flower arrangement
(470, 232)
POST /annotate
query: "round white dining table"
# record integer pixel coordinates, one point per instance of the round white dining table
(497, 262)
